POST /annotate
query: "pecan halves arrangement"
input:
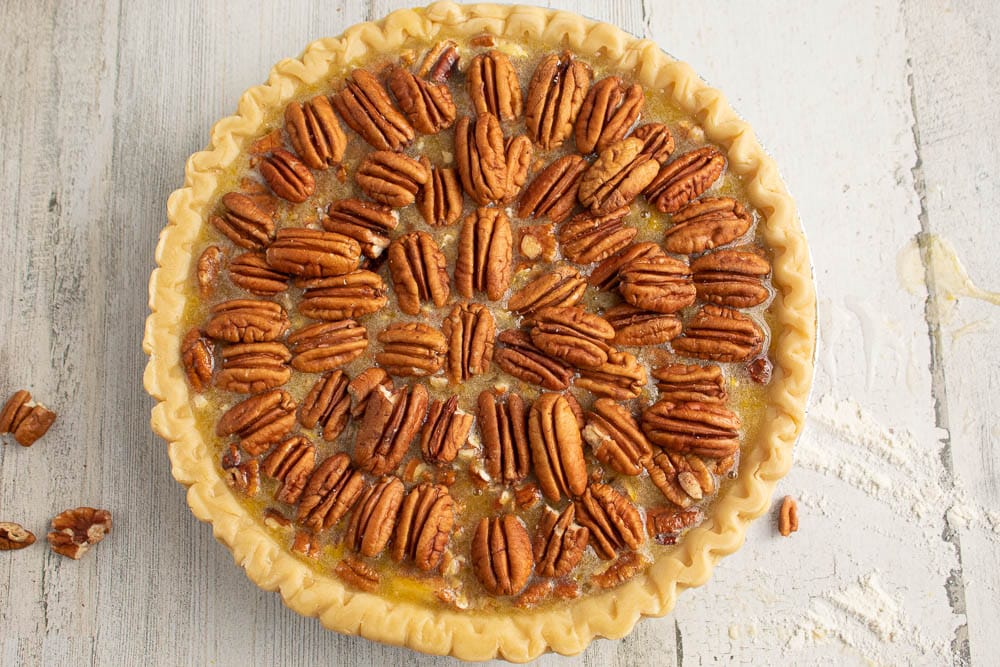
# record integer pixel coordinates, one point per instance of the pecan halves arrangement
(343, 297)
(390, 423)
(424, 527)
(613, 520)
(682, 478)
(609, 110)
(470, 331)
(327, 345)
(411, 349)
(720, 334)
(419, 271)
(365, 106)
(556, 447)
(705, 429)
(559, 543)
(501, 555)
(259, 421)
(679, 383)
(660, 284)
(485, 250)
(244, 222)
(75, 531)
(26, 420)
(621, 377)
(491, 168)
(391, 178)
(607, 274)
(733, 278)
(552, 194)
(210, 264)
(439, 200)
(685, 178)
(311, 253)
(503, 426)
(705, 224)
(445, 432)
(636, 327)
(366, 222)
(493, 85)
(573, 335)
(315, 133)
(555, 96)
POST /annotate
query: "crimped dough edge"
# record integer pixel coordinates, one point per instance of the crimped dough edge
(520, 635)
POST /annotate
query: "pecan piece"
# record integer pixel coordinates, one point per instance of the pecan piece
(621, 377)
(389, 425)
(244, 222)
(374, 518)
(626, 567)
(343, 297)
(679, 383)
(332, 490)
(327, 345)
(555, 95)
(657, 142)
(526, 362)
(493, 85)
(731, 278)
(619, 174)
(607, 274)
(553, 193)
(391, 178)
(536, 242)
(504, 430)
(247, 321)
(419, 271)
(720, 334)
(366, 222)
(315, 132)
(244, 476)
(311, 253)
(427, 105)
(685, 179)
(327, 405)
(559, 542)
(248, 368)
(470, 331)
(636, 327)
(661, 284)
(198, 359)
(424, 526)
(760, 370)
(562, 286)
(704, 429)
(556, 447)
(665, 523)
(705, 224)
(291, 463)
(501, 555)
(13, 536)
(362, 386)
(445, 431)
(251, 272)
(788, 517)
(615, 437)
(357, 573)
(589, 238)
(209, 265)
(365, 106)
(440, 199)
(411, 348)
(682, 478)
(573, 335)
(75, 531)
(305, 543)
(609, 110)
(614, 522)
(259, 421)
(288, 176)
(485, 251)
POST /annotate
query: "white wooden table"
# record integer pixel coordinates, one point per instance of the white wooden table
(884, 118)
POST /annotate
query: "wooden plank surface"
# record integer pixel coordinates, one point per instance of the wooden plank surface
(883, 117)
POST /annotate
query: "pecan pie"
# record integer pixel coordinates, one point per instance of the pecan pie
(484, 351)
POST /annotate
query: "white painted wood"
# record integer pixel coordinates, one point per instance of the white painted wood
(102, 103)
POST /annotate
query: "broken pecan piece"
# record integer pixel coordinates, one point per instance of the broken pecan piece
(390, 423)
(365, 106)
(327, 345)
(424, 526)
(470, 331)
(556, 447)
(327, 405)
(589, 238)
(75, 531)
(419, 271)
(733, 278)
(555, 96)
(332, 490)
(607, 274)
(427, 105)
(705, 429)
(613, 520)
(679, 383)
(13, 536)
(685, 179)
(635, 327)
(244, 222)
(615, 437)
(198, 359)
(503, 426)
(609, 110)
(249, 368)
(374, 518)
(391, 178)
(315, 132)
(291, 463)
(561, 286)
(553, 193)
(526, 362)
(439, 200)
(760, 370)
(664, 523)
(485, 251)
(626, 567)
(311, 253)
(288, 176)
(619, 174)
(362, 386)
(244, 476)
(559, 542)
(720, 334)
(661, 284)
(366, 222)
(209, 266)
(621, 377)
(259, 421)
(247, 321)
(501, 555)
(251, 272)
(683, 478)
(705, 224)
(357, 573)
(493, 85)
(445, 431)
(657, 142)
(573, 335)
(343, 297)
(411, 348)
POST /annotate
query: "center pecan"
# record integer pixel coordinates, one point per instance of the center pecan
(327, 345)
(445, 432)
(661, 284)
(247, 321)
(252, 367)
(367, 223)
(589, 238)
(470, 331)
(491, 170)
(493, 85)
(374, 517)
(485, 250)
(562, 286)
(523, 360)
(332, 490)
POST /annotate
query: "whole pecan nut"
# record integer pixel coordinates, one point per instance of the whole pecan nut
(470, 331)
(366, 222)
(682, 478)
(616, 178)
(247, 321)
(561, 286)
(589, 238)
(411, 349)
(209, 266)
(440, 199)
(704, 429)
(705, 224)
(343, 297)
(503, 426)
(445, 431)
(661, 284)
(493, 85)
(621, 377)
(315, 132)
(657, 142)
(13, 536)
(679, 383)
(327, 405)
(250, 271)
(559, 542)
(259, 421)
(684, 179)
(332, 490)
(288, 176)
(363, 385)
(423, 529)
(733, 278)
(249, 368)
(390, 423)
(374, 517)
(635, 327)
(555, 96)
(553, 193)
(614, 522)
(720, 334)
(75, 531)
(609, 110)
(485, 252)
(311, 253)
(327, 345)
(365, 106)
(244, 222)
(391, 178)
(427, 104)
(607, 274)
(556, 447)
(291, 463)
(419, 271)
(519, 357)
(573, 335)
(501, 555)
(615, 437)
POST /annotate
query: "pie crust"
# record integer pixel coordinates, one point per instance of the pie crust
(521, 635)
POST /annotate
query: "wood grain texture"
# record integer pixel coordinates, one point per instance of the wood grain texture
(884, 120)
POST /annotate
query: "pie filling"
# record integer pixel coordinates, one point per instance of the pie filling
(479, 326)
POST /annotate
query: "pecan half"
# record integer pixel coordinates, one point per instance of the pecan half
(250, 271)
(424, 526)
(609, 110)
(503, 426)
(366, 222)
(259, 421)
(419, 271)
(365, 106)
(561, 286)
(720, 334)
(209, 266)
(470, 331)
(332, 490)
(291, 463)
(13, 536)
(626, 567)
(705, 224)
(445, 431)
(198, 359)
(343, 297)
(679, 383)
(374, 518)
(357, 573)
(391, 178)
(661, 284)
(315, 132)
(75, 531)
(615, 437)
(362, 387)
(440, 199)
(439, 63)
(619, 174)
(665, 523)
(493, 85)
(685, 179)
(591, 238)
(614, 522)
(244, 476)
(788, 517)
(248, 368)
(559, 542)
(491, 170)
(732, 278)
(555, 95)
(244, 222)
(485, 252)
(520, 358)
(573, 335)
(556, 447)
(327, 405)
(327, 345)
(607, 274)
(553, 193)
(705, 429)
(657, 142)
(411, 348)
(427, 105)
(288, 176)
(390, 423)
(311, 253)
(635, 327)
(247, 321)
(621, 377)
(501, 555)
(683, 478)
